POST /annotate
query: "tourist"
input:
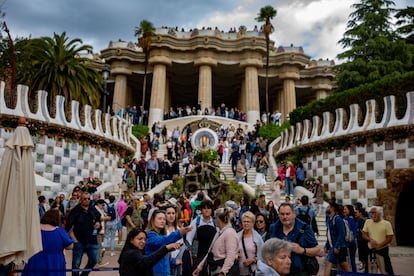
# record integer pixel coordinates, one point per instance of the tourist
(336, 246)
(157, 237)
(275, 188)
(290, 174)
(349, 216)
(379, 234)
(83, 224)
(180, 259)
(133, 215)
(133, 259)
(51, 260)
(262, 226)
(152, 169)
(303, 240)
(111, 226)
(275, 258)
(224, 251)
(202, 232)
(300, 175)
(250, 244)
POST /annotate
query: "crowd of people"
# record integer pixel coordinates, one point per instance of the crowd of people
(194, 234)
(139, 115)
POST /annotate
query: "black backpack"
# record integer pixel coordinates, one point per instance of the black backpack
(111, 211)
(305, 217)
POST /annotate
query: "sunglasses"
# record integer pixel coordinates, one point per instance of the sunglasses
(86, 198)
(259, 221)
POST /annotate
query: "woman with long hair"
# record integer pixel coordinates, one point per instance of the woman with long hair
(262, 226)
(273, 215)
(157, 237)
(349, 216)
(133, 259)
(179, 259)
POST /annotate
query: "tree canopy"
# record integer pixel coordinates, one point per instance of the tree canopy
(145, 31)
(372, 48)
(58, 66)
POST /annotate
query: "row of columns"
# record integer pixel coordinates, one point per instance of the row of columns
(249, 94)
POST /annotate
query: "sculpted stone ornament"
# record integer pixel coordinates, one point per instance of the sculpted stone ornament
(204, 177)
(204, 139)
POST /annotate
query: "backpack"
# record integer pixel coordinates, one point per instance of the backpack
(305, 217)
(349, 235)
(194, 246)
(111, 211)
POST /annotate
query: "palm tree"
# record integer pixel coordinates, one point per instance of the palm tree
(265, 15)
(56, 66)
(145, 31)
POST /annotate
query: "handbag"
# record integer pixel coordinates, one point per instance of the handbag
(310, 263)
(214, 266)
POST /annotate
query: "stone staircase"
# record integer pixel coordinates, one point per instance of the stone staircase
(251, 177)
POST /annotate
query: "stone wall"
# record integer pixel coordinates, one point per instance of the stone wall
(95, 146)
(351, 151)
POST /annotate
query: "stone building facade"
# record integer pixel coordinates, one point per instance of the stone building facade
(210, 67)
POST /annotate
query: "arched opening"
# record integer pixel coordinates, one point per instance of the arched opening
(403, 225)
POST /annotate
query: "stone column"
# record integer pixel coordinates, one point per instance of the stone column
(167, 104)
(322, 87)
(205, 91)
(157, 101)
(242, 98)
(120, 91)
(289, 73)
(321, 94)
(252, 95)
(160, 61)
(289, 97)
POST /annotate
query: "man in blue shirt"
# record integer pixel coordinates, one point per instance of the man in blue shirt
(152, 170)
(288, 227)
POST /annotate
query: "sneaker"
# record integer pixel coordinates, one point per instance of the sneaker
(112, 254)
(100, 264)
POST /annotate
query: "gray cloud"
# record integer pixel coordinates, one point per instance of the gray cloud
(315, 24)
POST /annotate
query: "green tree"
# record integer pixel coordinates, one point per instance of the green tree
(405, 23)
(57, 66)
(145, 31)
(265, 15)
(372, 49)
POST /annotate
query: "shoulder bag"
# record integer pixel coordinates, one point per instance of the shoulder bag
(309, 262)
(251, 272)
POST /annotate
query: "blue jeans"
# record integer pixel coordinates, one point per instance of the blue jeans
(110, 232)
(79, 249)
(289, 189)
(352, 253)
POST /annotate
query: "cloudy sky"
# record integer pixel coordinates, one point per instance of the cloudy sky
(317, 25)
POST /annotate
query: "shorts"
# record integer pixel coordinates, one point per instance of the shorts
(337, 258)
(119, 225)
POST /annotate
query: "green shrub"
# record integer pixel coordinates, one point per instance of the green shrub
(394, 84)
(271, 132)
(139, 131)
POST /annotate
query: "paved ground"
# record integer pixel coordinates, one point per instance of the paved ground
(402, 259)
